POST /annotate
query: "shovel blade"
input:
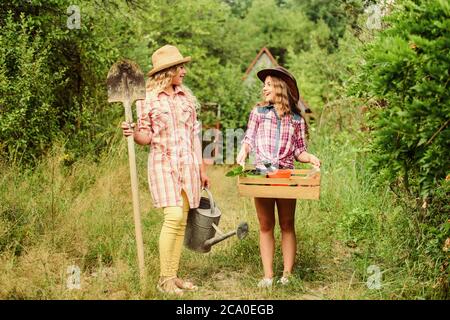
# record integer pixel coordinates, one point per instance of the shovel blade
(125, 82)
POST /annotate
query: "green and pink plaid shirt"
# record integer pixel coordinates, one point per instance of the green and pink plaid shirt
(172, 124)
(274, 140)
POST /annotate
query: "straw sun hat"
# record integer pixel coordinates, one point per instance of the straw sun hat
(166, 57)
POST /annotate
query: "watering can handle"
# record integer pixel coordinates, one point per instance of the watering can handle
(211, 199)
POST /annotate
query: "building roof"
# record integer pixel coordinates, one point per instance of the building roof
(263, 50)
(305, 107)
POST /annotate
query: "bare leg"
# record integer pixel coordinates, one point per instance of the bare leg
(265, 209)
(286, 217)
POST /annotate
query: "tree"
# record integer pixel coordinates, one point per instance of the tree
(338, 15)
(52, 75)
(407, 73)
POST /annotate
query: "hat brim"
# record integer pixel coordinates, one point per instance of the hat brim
(168, 65)
(292, 83)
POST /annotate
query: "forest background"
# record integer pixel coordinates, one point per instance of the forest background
(375, 75)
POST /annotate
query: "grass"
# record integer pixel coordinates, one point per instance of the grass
(57, 216)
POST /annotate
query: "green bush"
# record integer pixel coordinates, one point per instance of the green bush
(404, 79)
(52, 79)
(406, 72)
(28, 119)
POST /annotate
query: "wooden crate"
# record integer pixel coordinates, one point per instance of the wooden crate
(303, 184)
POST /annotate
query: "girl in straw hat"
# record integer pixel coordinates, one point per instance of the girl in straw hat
(167, 121)
(276, 133)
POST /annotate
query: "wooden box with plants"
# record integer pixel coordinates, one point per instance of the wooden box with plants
(278, 183)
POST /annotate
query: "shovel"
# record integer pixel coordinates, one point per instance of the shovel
(126, 84)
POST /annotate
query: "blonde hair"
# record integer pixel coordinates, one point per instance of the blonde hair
(162, 79)
(281, 97)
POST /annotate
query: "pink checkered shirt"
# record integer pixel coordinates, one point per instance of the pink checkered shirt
(274, 140)
(172, 125)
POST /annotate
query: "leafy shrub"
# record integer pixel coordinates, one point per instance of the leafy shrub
(406, 71)
(28, 120)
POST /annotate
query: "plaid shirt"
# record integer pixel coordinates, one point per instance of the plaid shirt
(274, 140)
(172, 124)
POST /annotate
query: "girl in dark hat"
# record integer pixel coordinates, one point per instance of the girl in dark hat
(276, 132)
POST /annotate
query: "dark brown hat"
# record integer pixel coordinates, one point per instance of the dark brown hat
(284, 75)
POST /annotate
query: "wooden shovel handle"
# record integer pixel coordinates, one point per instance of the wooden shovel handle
(135, 194)
(136, 211)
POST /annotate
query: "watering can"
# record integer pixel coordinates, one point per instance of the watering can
(202, 231)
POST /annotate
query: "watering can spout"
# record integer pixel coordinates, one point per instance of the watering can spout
(201, 229)
(241, 232)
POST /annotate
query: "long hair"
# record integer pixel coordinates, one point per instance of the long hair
(162, 79)
(281, 96)
(284, 102)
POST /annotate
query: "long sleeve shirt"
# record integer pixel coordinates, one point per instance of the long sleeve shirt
(171, 122)
(274, 140)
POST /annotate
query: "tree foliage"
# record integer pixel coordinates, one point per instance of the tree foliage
(67, 67)
(407, 73)
(52, 87)
(50, 77)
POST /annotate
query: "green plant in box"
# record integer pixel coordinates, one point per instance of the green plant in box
(239, 171)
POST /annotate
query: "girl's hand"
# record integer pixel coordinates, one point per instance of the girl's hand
(240, 159)
(128, 129)
(314, 160)
(205, 182)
